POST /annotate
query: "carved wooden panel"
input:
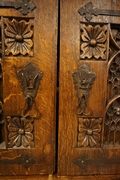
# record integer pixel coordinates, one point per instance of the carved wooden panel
(27, 106)
(90, 44)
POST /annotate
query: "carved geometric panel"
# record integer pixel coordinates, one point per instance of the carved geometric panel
(18, 37)
(93, 41)
(89, 132)
(20, 132)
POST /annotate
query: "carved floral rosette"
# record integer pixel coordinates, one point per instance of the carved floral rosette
(89, 132)
(18, 37)
(93, 39)
(20, 132)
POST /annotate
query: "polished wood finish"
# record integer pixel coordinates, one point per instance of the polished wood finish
(82, 143)
(41, 51)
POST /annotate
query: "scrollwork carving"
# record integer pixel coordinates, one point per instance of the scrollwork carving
(18, 37)
(83, 80)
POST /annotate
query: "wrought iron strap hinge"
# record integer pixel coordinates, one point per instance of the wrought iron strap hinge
(25, 6)
(83, 161)
(87, 11)
(25, 160)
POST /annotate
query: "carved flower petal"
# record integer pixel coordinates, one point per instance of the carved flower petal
(81, 129)
(25, 141)
(28, 34)
(23, 49)
(12, 48)
(87, 123)
(81, 126)
(28, 127)
(26, 47)
(92, 141)
(97, 128)
(99, 51)
(29, 136)
(15, 49)
(12, 128)
(10, 33)
(28, 43)
(17, 122)
(81, 136)
(85, 37)
(11, 27)
(15, 141)
(22, 27)
(12, 134)
(82, 140)
(96, 31)
(18, 141)
(85, 141)
(87, 51)
(93, 123)
(89, 29)
(101, 38)
(9, 42)
(15, 25)
(96, 137)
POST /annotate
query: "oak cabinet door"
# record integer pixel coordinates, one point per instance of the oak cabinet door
(89, 109)
(28, 43)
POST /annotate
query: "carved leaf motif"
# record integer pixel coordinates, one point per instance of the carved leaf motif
(18, 37)
(89, 132)
(20, 132)
(93, 42)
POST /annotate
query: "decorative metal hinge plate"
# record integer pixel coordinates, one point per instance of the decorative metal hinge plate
(88, 11)
(25, 6)
(29, 77)
(83, 81)
(83, 161)
(25, 160)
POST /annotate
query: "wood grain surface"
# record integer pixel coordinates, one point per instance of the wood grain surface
(72, 58)
(44, 59)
